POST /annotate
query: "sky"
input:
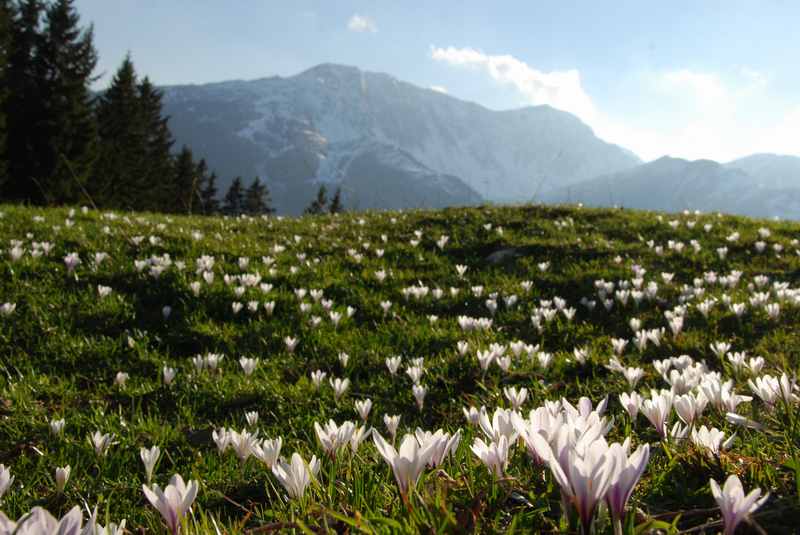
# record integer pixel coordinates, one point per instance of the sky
(691, 79)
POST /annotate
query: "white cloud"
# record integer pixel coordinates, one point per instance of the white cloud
(359, 23)
(559, 89)
(689, 114)
(438, 89)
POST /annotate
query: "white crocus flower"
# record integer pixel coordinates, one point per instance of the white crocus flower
(268, 451)
(500, 425)
(150, 458)
(317, 377)
(393, 364)
(407, 463)
(291, 343)
(516, 397)
(296, 475)
(419, 392)
(629, 470)
(40, 522)
(363, 407)
(657, 409)
(242, 443)
(472, 415)
(57, 426)
(332, 436)
(173, 502)
(690, 407)
(443, 444)
(494, 455)
(733, 503)
(168, 374)
(62, 476)
(222, 438)
(101, 442)
(711, 440)
(631, 402)
(391, 423)
(359, 435)
(251, 417)
(6, 479)
(248, 365)
(339, 386)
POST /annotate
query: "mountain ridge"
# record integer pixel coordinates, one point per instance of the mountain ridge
(675, 184)
(304, 129)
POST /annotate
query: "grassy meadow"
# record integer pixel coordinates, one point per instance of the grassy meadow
(146, 291)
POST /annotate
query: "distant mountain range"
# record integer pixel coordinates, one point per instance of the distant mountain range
(762, 185)
(385, 142)
(389, 144)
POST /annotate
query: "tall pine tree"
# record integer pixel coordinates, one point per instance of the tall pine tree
(257, 199)
(336, 202)
(67, 135)
(24, 109)
(185, 182)
(122, 140)
(234, 198)
(135, 169)
(157, 177)
(208, 194)
(6, 18)
(317, 206)
(50, 143)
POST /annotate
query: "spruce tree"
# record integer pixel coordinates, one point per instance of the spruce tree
(136, 169)
(257, 199)
(267, 198)
(185, 181)
(336, 202)
(6, 18)
(317, 206)
(234, 198)
(208, 194)
(23, 107)
(158, 171)
(67, 135)
(201, 177)
(116, 181)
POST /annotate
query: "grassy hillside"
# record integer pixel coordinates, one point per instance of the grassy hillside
(63, 344)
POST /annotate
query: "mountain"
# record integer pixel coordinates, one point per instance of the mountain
(385, 142)
(772, 171)
(761, 185)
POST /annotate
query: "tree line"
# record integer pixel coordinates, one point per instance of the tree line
(60, 143)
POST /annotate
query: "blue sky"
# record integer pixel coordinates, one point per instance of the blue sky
(693, 79)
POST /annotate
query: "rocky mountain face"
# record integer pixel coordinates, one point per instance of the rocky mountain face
(762, 185)
(384, 142)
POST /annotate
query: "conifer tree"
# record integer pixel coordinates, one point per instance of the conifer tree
(317, 206)
(257, 199)
(234, 198)
(185, 181)
(23, 107)
(6, 17)
(136, 169)
(201, 172)
(336, 202)
(66, 137)
(208, 194)
(116, 179)
(157, 176)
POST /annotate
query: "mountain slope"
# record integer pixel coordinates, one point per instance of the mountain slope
(771, 171)
(310, 128)
(745, 187)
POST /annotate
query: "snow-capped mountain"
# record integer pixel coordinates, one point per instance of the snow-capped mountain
(385, 142)
(762, 185)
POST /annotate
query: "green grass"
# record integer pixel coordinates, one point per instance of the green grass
(63, 346)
